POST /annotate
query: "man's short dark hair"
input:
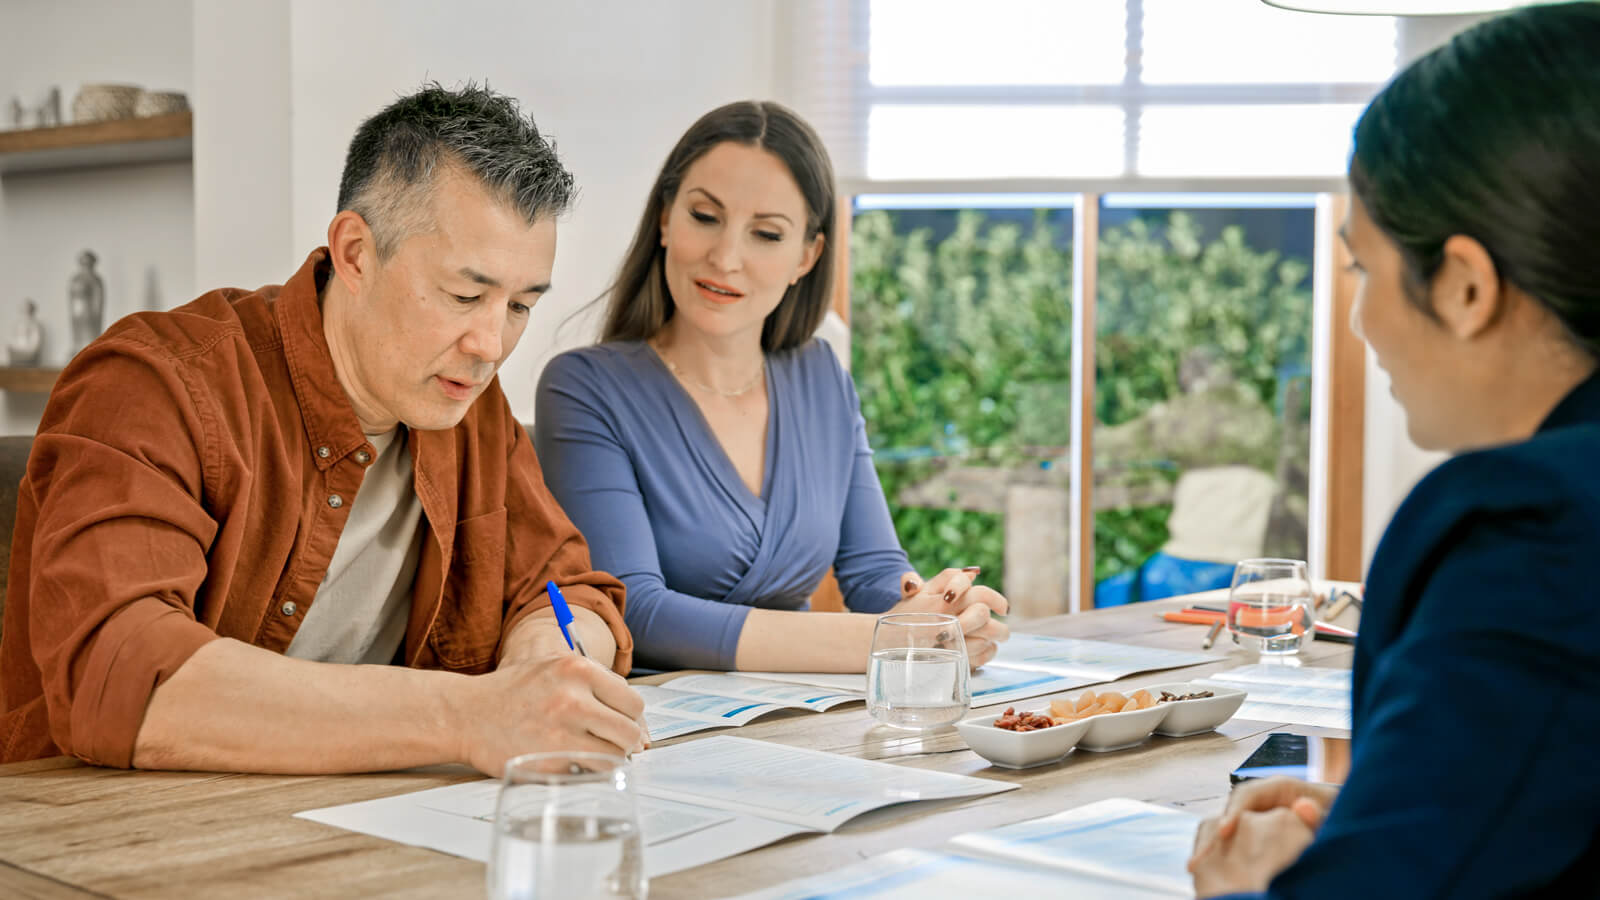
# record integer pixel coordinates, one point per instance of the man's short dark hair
(396, 155)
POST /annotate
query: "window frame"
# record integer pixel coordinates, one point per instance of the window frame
(1338, 356)
(1338, 401)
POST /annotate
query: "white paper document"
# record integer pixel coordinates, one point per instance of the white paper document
(812, 788)
(1030, 665)
(696, 702)
(1297, 695)
(699, 801)
(1113, 849)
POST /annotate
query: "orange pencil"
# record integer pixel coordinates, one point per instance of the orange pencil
(1194, 617)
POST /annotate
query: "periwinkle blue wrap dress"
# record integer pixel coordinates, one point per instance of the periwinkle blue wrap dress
(636, 466)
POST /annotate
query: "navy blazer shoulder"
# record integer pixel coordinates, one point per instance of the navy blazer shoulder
(1476, 694)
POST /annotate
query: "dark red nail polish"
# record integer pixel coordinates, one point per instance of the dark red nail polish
(949, 596)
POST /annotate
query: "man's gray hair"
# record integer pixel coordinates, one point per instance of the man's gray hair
(396, 156)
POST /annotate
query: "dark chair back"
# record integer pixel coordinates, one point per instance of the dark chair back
(13, 463)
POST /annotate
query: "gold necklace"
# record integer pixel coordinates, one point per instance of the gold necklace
(708, 388)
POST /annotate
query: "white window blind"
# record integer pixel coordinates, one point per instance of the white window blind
(927, 141)
(1120, 91)
(1018, 42)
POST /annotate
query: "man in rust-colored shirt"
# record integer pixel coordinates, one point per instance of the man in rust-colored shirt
(299, 529)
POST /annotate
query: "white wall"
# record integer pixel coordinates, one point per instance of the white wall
(138, 219)
(614, 82)
(1393, 464)
(242, 175)
(279, 87)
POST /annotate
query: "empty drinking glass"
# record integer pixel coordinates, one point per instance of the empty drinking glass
(917, 674)
(566, 827)
(1270, 605)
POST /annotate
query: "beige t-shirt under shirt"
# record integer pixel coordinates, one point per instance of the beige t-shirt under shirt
(360, 611)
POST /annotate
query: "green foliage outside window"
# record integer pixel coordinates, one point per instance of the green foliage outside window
(962, 354)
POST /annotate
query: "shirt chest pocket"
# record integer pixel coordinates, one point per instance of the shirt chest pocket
(467, 631)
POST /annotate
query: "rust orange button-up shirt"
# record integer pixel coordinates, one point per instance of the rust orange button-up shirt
(190, 480)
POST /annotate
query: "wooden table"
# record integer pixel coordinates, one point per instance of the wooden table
(69, 830)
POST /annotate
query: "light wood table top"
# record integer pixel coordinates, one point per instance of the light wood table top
(70, 830)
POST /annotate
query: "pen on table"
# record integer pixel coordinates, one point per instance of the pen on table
(1339, 605)
(1211, 635)
(1193, 616)
(564, 618)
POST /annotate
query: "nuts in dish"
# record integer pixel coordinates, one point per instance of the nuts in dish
(1011, 720)
(1088, 704)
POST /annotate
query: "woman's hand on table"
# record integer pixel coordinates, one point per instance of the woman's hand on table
(1267, 824)
(952, 592)
(1256, 849)
(1310, 801)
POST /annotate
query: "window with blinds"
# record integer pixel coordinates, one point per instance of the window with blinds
(1120, 90)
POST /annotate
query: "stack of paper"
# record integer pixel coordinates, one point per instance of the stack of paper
(1298, 695)
(1030, 665)
(699, 801)
(1113, 849)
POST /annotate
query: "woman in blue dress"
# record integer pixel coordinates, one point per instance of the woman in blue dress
(710, 449)
(1476, 696)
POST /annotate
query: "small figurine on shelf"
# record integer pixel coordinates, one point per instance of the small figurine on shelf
(27, 339)
(86, 302)
(50, 110)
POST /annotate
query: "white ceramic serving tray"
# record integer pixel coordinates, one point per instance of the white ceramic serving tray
(1102, 733)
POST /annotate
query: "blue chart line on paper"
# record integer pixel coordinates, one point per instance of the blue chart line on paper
(693, 703)
(1111, 850)
(1031, 665)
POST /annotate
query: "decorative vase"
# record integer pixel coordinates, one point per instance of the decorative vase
(86, 302)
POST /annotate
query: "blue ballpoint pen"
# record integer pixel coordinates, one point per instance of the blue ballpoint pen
(564, 618)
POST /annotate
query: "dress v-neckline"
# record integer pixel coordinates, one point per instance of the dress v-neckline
(726, 470)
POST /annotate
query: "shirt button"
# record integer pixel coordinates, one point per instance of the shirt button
(335, 501)
(289, 608)
(363, 457)
(323, 452)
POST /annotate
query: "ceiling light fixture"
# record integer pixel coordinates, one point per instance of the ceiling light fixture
(1399, 7)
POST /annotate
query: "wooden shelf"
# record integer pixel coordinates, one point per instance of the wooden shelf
(27, 379)
(113, 143)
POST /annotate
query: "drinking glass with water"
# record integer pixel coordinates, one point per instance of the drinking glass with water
(566, 827)
(1270, 605)
(917, 674)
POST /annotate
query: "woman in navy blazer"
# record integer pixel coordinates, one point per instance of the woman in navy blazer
(1474, 227)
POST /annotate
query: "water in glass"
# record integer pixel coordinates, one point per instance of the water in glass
(909, 687)
(566, 827)
(917, 671)
(582, 857)
(1270, 606)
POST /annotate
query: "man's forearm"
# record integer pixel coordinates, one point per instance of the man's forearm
(538, 637)
(233, 707)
